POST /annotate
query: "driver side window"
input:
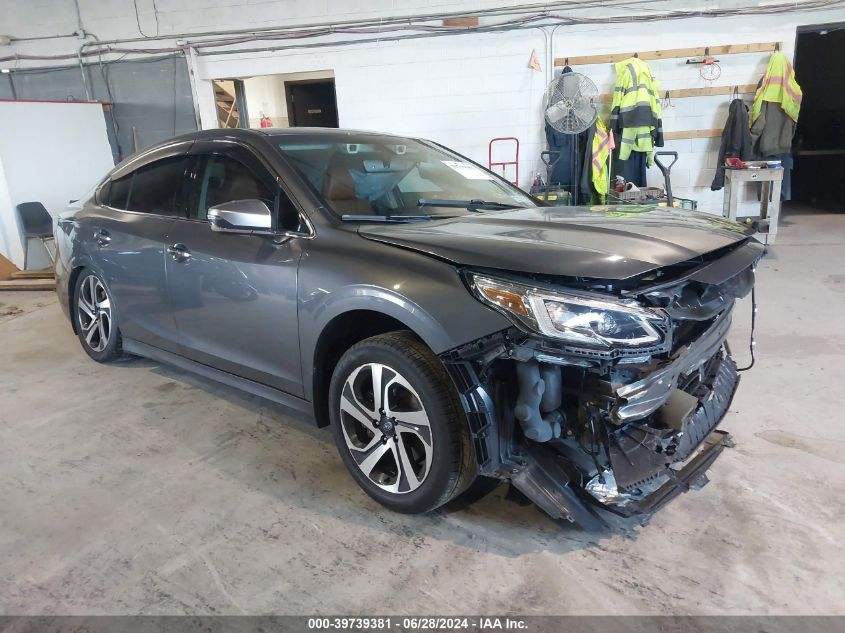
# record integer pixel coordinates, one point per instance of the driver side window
(221, 179)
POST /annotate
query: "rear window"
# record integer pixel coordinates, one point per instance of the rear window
(153, 188)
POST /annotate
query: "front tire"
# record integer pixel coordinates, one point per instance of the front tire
(93, 314)
(398, 424)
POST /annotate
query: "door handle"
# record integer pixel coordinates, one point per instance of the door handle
(179, 252)
(102, 237)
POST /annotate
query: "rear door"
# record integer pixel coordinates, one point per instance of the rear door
(234, 296)
(126, 236)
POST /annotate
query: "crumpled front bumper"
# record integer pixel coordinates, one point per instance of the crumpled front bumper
(641, 454)
(643, 397)
(646, 475)
(691, 475)
(545, 480)
(650, 460)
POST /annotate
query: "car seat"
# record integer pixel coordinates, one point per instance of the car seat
(339, 191)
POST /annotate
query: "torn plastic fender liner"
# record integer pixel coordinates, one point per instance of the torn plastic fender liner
(544, 481)
(481, 415)
(535, 470)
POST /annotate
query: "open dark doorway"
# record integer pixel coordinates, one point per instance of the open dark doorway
(819, 147)
(311, 103)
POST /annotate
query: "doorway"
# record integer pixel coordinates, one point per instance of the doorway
(819, 146)
(305, 98)
(230, 102)
(311, 103)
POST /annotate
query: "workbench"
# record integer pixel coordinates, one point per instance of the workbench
(771, 180)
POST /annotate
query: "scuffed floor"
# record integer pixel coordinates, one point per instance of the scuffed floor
(135, 488)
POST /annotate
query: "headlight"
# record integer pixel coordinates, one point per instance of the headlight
(572, 318)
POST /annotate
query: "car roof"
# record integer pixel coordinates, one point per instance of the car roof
(272, 131)
(243, 134)
(249, 133)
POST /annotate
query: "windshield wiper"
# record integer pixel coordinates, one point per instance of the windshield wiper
(472, 205)
(354, 217)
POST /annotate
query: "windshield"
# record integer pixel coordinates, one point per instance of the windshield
(371, 176)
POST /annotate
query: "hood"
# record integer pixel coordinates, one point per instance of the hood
(598, 242)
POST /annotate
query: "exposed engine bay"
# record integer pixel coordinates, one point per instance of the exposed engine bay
(616, 407)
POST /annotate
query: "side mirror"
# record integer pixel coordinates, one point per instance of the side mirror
(241, 216)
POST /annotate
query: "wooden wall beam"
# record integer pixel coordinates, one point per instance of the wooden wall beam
(671, 136)
(461, 22)
(671, 53)
(686, 93)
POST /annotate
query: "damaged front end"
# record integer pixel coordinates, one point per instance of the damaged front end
(605, 394)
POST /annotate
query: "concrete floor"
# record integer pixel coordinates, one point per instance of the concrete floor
(134, 488)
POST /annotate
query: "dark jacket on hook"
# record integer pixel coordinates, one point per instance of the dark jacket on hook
(736, 140)
(572, 158)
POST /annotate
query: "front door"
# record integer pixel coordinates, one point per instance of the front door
(312, 104)
(127, 232)
(234, 296)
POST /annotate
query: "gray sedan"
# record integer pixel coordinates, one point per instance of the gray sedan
(443, 322)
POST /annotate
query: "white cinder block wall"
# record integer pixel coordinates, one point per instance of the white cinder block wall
(459, 90)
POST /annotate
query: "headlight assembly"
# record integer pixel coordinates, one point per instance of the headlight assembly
(572, 318)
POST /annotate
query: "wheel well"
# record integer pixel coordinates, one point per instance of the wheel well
(71, 289)
(339, 335)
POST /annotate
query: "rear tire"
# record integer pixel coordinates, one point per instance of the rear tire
(398, 424)
(92, 309)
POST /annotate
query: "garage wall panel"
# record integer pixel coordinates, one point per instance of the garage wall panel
(460, 90)
(154, 96)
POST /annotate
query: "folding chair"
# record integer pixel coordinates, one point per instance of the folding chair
(37, 225)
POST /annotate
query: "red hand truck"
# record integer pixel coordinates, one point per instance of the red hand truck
(505, 163)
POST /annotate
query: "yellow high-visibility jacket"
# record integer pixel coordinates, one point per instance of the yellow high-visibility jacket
(602, 144)
(778, 86)
(636, 117)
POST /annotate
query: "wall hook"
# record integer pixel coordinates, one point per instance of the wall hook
(777, 46)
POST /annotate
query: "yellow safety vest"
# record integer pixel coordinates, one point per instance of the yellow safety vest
(601, 154)
(778, 86)
(636, 115)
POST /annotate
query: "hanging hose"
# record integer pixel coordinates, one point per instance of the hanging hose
(751, 337)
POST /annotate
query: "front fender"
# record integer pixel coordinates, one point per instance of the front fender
(425, 294)
(385, 301)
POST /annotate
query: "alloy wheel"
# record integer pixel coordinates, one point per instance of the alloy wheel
(386, 428)
(94, 313)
